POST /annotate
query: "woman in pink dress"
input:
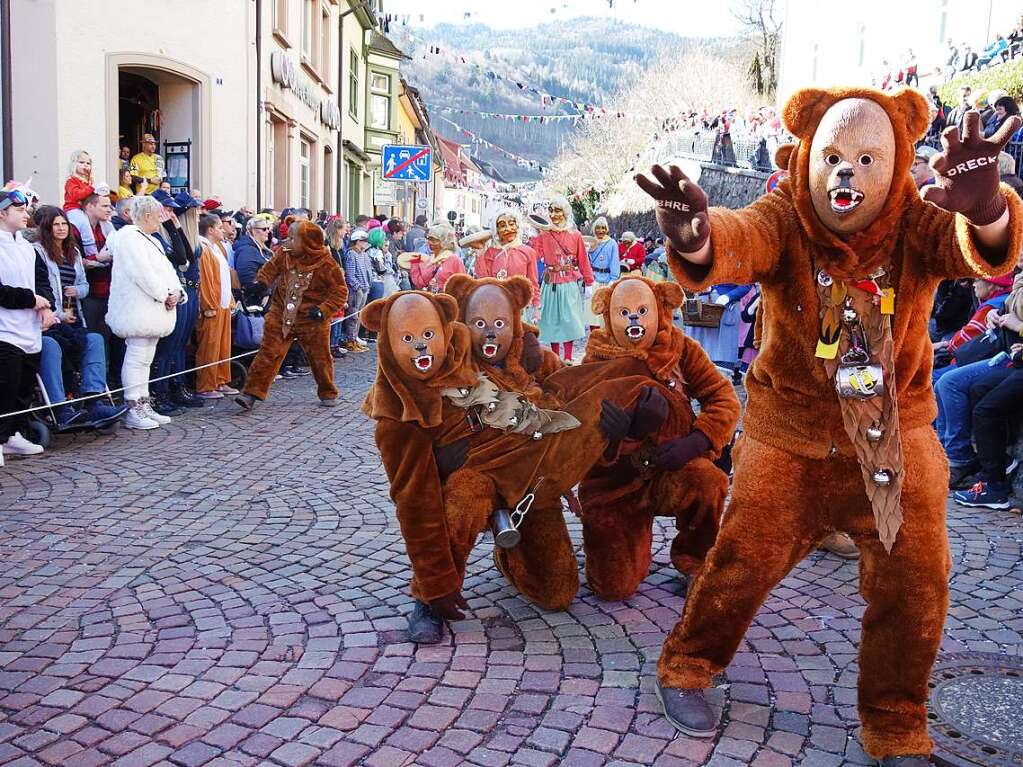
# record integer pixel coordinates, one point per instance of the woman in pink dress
(566, 265)
(510, 257)
(431, 272)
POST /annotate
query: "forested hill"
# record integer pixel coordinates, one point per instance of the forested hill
(586, 60)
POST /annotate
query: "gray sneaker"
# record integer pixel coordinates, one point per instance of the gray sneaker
(909, 760)
(688, 711)
(424, 626)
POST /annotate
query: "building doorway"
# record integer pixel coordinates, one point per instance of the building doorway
(168, 106)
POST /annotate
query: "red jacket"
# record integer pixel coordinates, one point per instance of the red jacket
(631, 257)
(75, 190)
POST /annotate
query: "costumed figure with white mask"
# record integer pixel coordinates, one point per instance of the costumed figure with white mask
(431, 271)
(566, 267)
(509, 257)
(605, 264)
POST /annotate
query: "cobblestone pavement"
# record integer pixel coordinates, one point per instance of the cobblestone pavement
(231, 590)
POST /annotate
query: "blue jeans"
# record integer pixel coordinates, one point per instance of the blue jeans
(955, 414)
(93, 366)
(170, 351)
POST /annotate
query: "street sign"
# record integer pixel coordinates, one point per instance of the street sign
(384, 195)
(406, 163)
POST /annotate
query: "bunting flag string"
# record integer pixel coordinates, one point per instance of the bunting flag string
(574, 119)
(477, 139)
(546, 99)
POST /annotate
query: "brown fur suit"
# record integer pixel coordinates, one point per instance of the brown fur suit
(797, 477)
(620, 497)
(440, 522)
(305, 277)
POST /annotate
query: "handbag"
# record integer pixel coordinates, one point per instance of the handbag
(248, 331)
(983, 347)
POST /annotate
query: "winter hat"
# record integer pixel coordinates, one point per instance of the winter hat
(372, 224)
(628, 237)
(164, 198)
(359, 235)
(211, 204)
(376, 237)
(1001, 281)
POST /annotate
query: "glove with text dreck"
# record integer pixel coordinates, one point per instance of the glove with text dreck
(966, 178)
(681, 207)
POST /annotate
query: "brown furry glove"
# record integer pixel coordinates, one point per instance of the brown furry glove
(532, 354)
(681, 207)
(447, 606)
(966, 172)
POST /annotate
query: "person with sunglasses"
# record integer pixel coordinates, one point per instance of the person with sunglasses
(24, 315)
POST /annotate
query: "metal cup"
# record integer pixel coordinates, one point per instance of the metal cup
(505, 535)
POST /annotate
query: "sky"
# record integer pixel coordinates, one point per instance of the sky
(690, 18)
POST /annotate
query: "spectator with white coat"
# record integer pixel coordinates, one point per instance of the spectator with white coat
(144, 291)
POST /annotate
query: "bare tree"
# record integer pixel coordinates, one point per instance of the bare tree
(760, 19)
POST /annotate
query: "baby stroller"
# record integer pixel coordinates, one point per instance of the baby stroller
(246, 334)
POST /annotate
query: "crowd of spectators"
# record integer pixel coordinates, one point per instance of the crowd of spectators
(129, 304)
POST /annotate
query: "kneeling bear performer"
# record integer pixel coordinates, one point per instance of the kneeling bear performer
(670, 472)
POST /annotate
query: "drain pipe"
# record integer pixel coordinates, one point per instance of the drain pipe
(259, 105)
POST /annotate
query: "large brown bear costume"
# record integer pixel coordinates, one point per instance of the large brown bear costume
(621, 496)
(848, 216)
(309, 289)
(425, 356)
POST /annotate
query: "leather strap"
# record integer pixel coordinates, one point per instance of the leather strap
(877, 453)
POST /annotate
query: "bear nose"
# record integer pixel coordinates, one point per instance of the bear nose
(420, 347)
(846, 173)
(633, 317)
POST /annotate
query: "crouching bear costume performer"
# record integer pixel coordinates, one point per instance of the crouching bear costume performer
(837, 427)
(427, 399)
(308, 289)
(670, 472)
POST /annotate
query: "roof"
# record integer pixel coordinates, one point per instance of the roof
(382, 44)
(488, 170)
(454, 167)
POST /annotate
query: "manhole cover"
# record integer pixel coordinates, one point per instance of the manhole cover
(976, 710)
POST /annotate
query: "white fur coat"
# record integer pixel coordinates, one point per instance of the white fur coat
(140, 281)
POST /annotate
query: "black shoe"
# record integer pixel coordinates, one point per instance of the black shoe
(962, 477)
(164, 406)
(339, 352)
(910, 760)
(688, 711)
(185, 398)
(299, 370)
(424, 627)
(245, 401)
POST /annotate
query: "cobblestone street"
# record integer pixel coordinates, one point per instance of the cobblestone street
(232, 589)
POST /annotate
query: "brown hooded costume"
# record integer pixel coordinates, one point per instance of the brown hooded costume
(542, 566)
(621, 496)
(304, 278)
(441, 521)
(803, 467)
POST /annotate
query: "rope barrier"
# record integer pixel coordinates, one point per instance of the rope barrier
(107, 393)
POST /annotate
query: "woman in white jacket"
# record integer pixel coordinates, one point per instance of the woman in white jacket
(144, 291)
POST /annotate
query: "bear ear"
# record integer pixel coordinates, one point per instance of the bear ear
(447, 306)
(783, 154)
(601, 300)
(913, 111)
(459, 286)
(372, 314)
(804, 110)
(670, 294)
(521, 291)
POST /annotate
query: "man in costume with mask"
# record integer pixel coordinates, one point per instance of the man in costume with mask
(837, 426)
(670, 472)
(456, 446)
(509, 257)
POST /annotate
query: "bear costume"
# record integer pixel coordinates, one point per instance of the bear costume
(542, 566)
(427, 398)
(309, 288)
(671, 472)
(837, 426)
